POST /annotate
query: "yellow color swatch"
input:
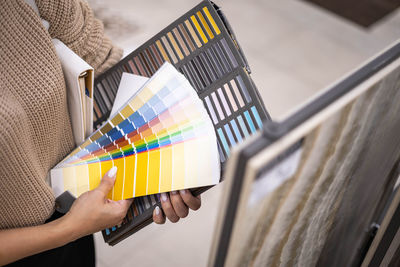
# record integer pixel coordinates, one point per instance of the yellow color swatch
(119, 181)
(211, 19)
(129, 176)
(70, 179)
(82, 183)
(141, 174)
(94, 175)
(166, 169)
(154, 172)
(105, 167)
(205, 25)
(199, 30)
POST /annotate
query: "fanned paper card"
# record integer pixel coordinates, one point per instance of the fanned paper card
(161, 140)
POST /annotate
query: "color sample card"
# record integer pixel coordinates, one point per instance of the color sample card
(161, 140)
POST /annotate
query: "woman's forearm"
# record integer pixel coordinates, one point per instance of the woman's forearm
(91, 212)
(19, 243)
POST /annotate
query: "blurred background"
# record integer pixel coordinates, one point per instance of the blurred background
(295, 48)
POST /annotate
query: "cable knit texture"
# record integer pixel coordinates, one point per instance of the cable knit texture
(35, 129)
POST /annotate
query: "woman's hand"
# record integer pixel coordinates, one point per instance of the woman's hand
(175, 205)
(93, 212)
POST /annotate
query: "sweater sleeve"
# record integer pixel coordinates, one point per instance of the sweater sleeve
(73, 22)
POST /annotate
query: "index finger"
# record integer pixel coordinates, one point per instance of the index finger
(191, 201)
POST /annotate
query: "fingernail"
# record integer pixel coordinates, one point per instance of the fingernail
(112, 172)
(174, 192)
(158, 211)
(164, 197)
(183, 191)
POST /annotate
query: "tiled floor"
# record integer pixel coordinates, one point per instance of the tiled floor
(294, 49)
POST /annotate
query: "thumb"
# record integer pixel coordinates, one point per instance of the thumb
(107, 182)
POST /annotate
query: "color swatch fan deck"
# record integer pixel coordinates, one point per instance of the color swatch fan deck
(161, 140)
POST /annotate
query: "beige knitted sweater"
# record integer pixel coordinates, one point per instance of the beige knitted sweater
(35, 130)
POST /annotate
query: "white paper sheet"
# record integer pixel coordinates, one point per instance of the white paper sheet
(129, 85)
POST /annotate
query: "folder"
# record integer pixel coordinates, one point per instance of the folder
(79, 77)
